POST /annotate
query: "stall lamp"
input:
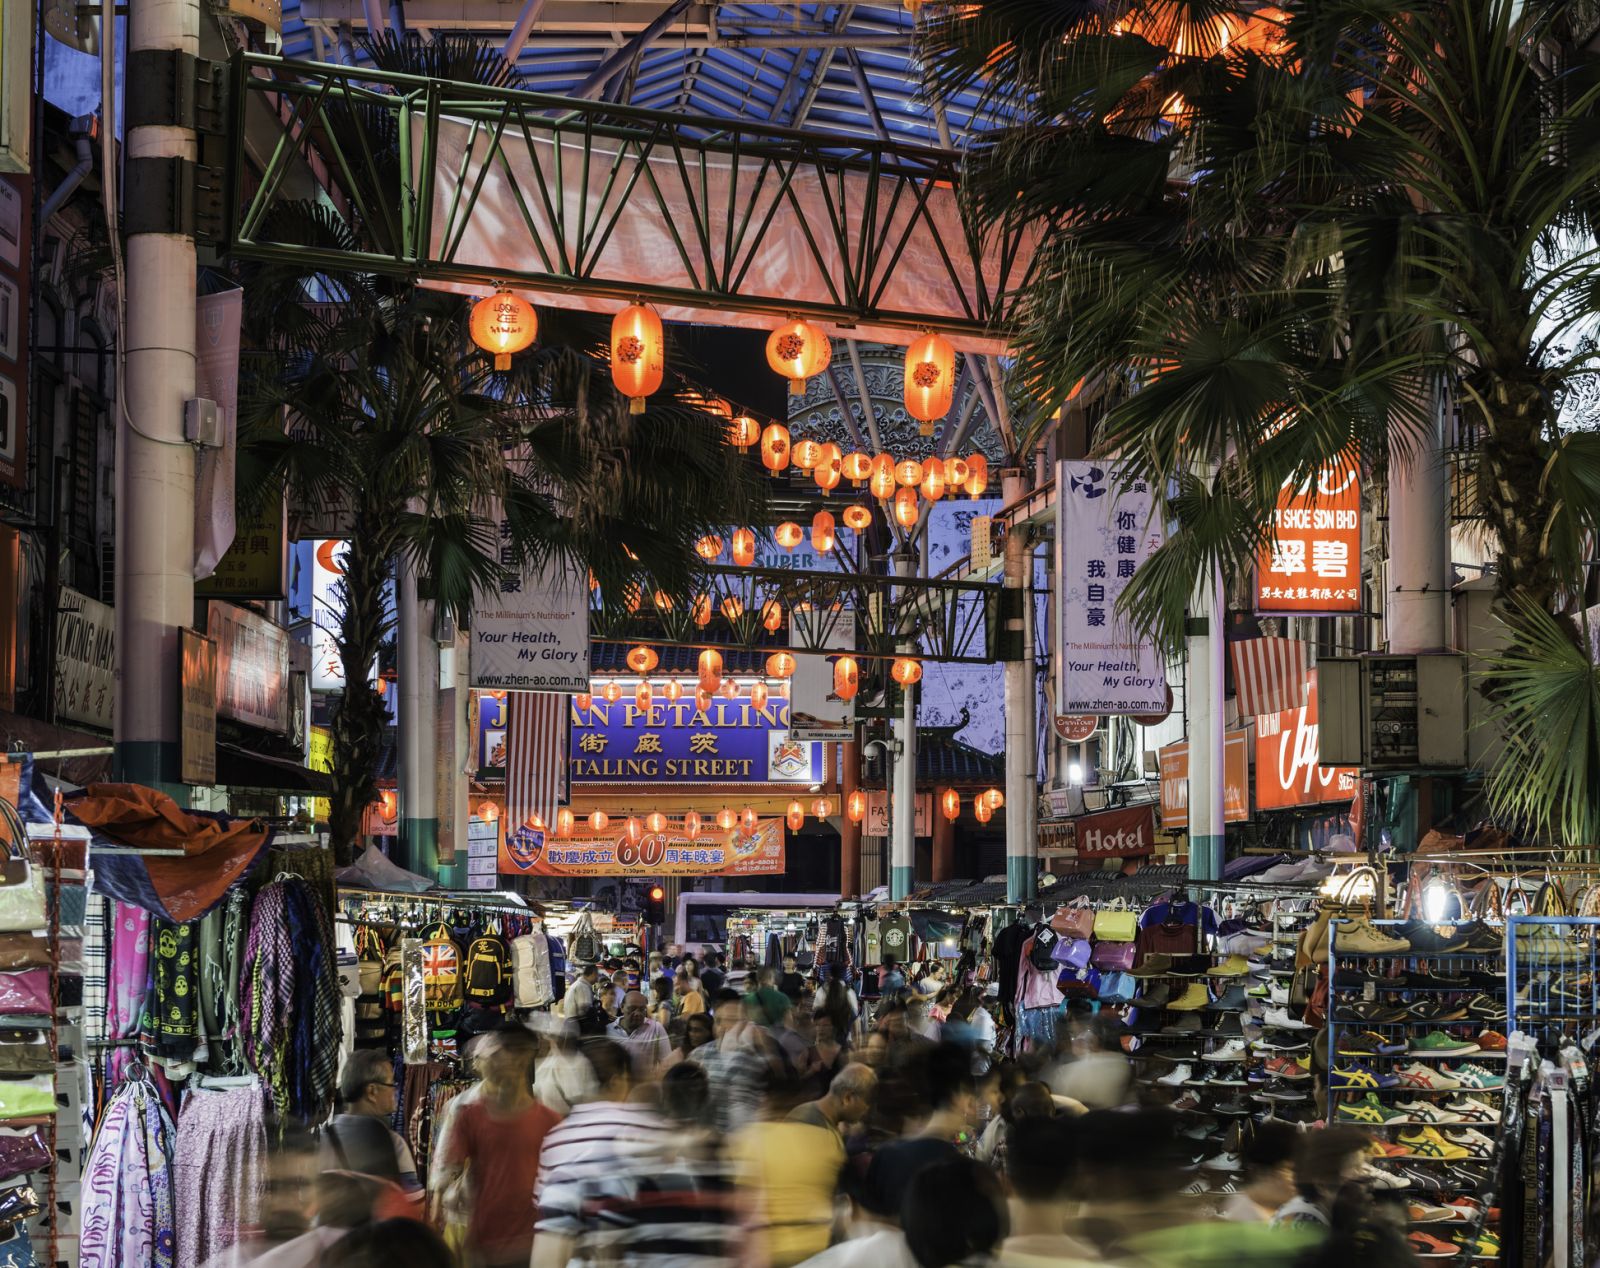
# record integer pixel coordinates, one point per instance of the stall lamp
(1075, 772)
(1436, 897)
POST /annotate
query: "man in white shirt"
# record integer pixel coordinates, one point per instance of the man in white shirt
(644, 1038)
(579, 998)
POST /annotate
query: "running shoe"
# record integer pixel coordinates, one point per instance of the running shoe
(1483, 1244)
(1369, 1109)
(1427, 1113)
(1474, 1142)
(1359, 937)
(1370, 1044)
(1482, 1008)
(1438, 1044)
(1424, 1213)
(1223, 1162)
(1492, 1041)
(1437, 1010)
(1376, 1014)
(1180, 1075)
(1472, 1076)
(1427, 1078)
(1232, 1050)
(1426, 1142)
(1282, 1090)
(1288, 1068)
(1188, 1102)
(1427, 1246)
(1355, 1075)
(1280, 1018)
(1382, 1177)
(1474, 1112)
(1281, 1045)
(1436, 939)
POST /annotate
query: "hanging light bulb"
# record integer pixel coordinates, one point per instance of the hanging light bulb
(806, 454)
(655, 822)
(775, 448)
(730, 688)
(700, 610)
(788, 534)
(798, 350)
(726, 819)
(710, 670)
(599, 821)
(905, 508)
(744, 547)
(977, 475)
(906, 670)
(772, 616)
(638, 354)
(691, 825)
(855, 806)
(930, 379)
(795, 816)
(758, 694)
(733, 607)
(642, 696)
(856, 467)
(881, 481)
(503, 324)
(672, 689)
(857, 518)
(633, 829)
(709, 546)
(822, 532)
(583, 702)
(564, 822)
(994, 799)
(749, 820)
(642, 659)
(955, 473)
(846, 677)
(830, 468)
(822, 807)
(932, 479)
(612, 691)
(950, 804)
(780, 665)
(743, 432)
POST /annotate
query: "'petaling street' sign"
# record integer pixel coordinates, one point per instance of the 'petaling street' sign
(674, 742)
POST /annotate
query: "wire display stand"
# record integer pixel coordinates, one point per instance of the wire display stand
(1551, 966)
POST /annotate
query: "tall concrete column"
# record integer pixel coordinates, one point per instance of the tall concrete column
(849, 831)
(1203, 698)
(155, 465)
(1418, 600)
(944, 847)
(1022, 838)
(419, 710)
(903, 790)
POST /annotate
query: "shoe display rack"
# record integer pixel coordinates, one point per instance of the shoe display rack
(1416, 1056)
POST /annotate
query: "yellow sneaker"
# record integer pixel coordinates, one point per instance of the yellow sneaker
(1425, 1142)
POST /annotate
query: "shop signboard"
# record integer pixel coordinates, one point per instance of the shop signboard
(319, 756)
(86, 634)
(197, 756)
(533, 633)
(1174, 760)
(483, 852)
(327, 609)
(1105, 530)
(1312, 565)
(1128, 832)
(382, 817)
(877, 820)
(1287, 770)
(1075, 728)
(529, 852)
(255, 565)
(492, 734)
(252, 667)
(675, 742)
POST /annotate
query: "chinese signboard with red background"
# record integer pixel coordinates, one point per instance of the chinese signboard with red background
(1313, 563)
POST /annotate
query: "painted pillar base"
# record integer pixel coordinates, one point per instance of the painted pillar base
(1022, 878)
(902, 880)
(1206, 856)
(419, 842)
(153, 763)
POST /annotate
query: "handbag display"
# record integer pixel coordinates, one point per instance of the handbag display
(23, 951)
(1118, 987)
(1073, 952)
(22, 1149)
(29, 1097)
(1075, 920)
(21, 894)
(1119, 956)
(1042, 953)
(25, 992)
(1116, 924)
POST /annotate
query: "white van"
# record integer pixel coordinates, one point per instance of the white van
(702, 920)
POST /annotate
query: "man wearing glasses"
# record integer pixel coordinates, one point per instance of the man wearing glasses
(360, 1139)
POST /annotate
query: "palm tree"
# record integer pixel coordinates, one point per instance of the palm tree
(1276, 237)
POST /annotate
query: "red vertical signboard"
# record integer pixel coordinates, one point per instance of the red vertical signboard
(1312, 565)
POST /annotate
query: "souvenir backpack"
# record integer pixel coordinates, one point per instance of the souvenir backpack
(441, 971)
(487, 977)
(531, 986)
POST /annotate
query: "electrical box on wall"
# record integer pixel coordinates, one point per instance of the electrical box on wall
(1389, 712)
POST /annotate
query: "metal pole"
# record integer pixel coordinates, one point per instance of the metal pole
(1022, 843)
(1418, 598)
(419, 710)
(1207, 723)
(903, 810)
(849, 829)
(512, 49)
(155, 466)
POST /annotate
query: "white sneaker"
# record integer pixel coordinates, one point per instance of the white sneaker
(1222, 1162)
(1280, 1018)
(1278, 993)
(1233, 1050)
(1426, 1112)
(1182, 1074)
(1378, 1178)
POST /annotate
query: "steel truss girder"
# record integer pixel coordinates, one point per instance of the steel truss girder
(856, 246)
(949, 621)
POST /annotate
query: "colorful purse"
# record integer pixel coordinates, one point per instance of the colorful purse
(1116, 924)
(1119, 956)
(21, 894)
(25, 993)
(22, 1149)
(29, 1097)
(1075, 920)
(1075, 953)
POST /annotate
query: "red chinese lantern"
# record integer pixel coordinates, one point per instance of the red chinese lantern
(905, 508)
(932, 479)
(702, 700)
(672, 689)
(564, 822)
(981, 811)
(691, 825)
(950, 804)
(930, 379)
(846, 677)
(749, 820)
(822, 532)
(599, 821)
(797, 350)
(655, 822)
(730, 688)
(795, 816)
(857, 517)
(743, 432)
(780, 665)
(642, 659)
(881, 481)
(710, 669)
(758, 695)
(775, 448)
(807, 453)
(856, 467)
(830, 468)
(772, 616)
(789, 534)
(503, 324)
(733, 607)
(822, 807)
(726, 819)
(642, 696)
(638, 354)
(744, 547)
(955, 473)
(611, 692)
(709, 546)
(994, 799)
(582, 701)
(906, 670)
(908, 473)
(663, 601)
(855, 806)
(977, 475)
(633, 829)
(700, 610)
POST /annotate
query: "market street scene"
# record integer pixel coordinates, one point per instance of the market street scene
(858, 633)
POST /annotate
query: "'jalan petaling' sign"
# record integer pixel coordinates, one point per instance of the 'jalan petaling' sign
(729, 742)
(1288, 772)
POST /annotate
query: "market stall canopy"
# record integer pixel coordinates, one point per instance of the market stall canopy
(373, 870)
(241, 768)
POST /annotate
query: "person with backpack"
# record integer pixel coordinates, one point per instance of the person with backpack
(360, 1139)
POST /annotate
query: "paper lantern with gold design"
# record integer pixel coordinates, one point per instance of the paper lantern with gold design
(797, 350)
(822, 530)
(702, 700)
(709, 546)
(930, 379)
(857, 518)
(932, 486)
(642, 659)
(655, 822)
(749, 820)
(780, 665)
(981, 811)
(758, 694)
(633, 829)
(672, 689)
(582, 702)
(881, 481)
(638, 354)
(775, 448)
(795, 816)
(846, 677)
(743, 432)
(772, 616)
(788, 534)
(906, 670)
(726, 819)
(663, 601)
(806, 454)
(611, 692)
(994, 798)
(977, 475)
(744, 547)
(564, 822)
(829, 469)
(642, 696)
(822, 807)
(955, 474)
(905, 508)
(855, 806)
(691, 825)
(599, 821)
(710, 670)
(700, 610)
(503, 324)
(733, 607)
(908, 472)
(730, 688)
(856, 467)
(950, 804)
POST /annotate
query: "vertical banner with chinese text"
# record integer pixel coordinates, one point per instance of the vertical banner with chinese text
(534, 634)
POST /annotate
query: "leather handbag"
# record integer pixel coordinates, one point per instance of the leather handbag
(1116, 924)
(26, 992)
(25, 1052)
(21, 894)
(1118, 956)
(23, 951)
(22, 1149)
(1075, 920)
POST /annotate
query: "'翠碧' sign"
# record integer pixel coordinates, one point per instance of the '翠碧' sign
(1313, 562)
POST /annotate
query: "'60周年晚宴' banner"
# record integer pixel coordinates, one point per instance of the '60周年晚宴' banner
(530, 852)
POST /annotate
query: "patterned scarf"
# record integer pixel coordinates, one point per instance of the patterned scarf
(127, 1185)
